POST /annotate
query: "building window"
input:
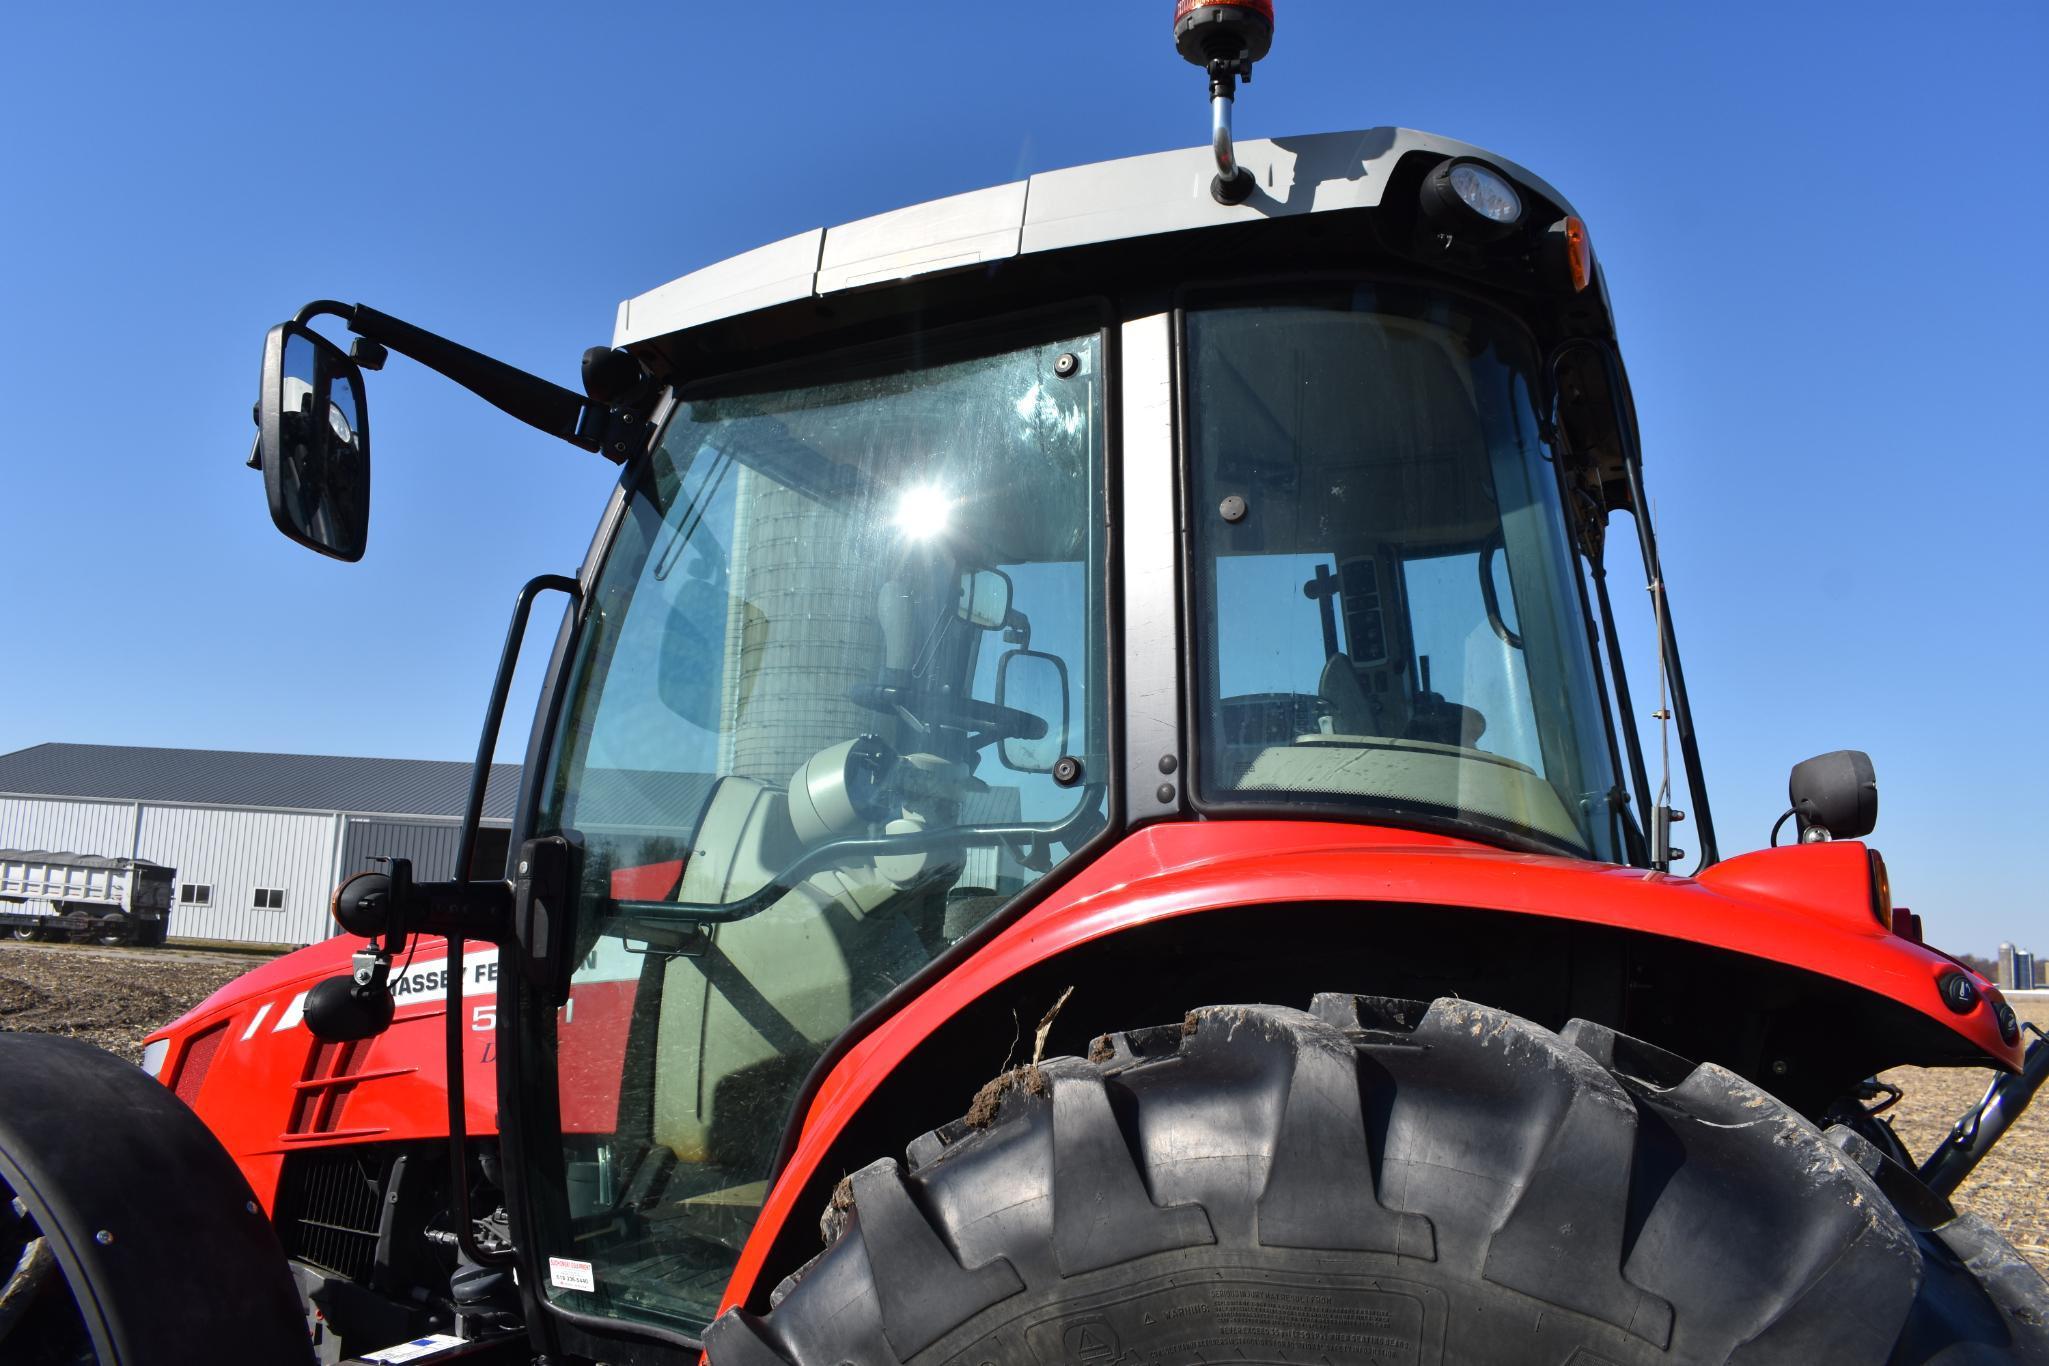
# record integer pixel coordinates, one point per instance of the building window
(270, 899)
(195, 894)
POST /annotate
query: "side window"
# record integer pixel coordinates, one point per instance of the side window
(268, 899)
(195, 894)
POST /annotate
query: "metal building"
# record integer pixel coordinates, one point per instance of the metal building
(259, 840)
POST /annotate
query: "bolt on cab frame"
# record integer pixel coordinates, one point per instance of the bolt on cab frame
(995, 585)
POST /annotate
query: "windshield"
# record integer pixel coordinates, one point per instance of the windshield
(1386, 612)
(840, 695)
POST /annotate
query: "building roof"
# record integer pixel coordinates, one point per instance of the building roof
(295, 782)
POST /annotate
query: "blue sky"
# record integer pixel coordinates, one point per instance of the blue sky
(1821, 224)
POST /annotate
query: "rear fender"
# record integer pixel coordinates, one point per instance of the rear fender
(1777, 968)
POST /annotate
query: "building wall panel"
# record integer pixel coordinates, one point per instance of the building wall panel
(103, 828)
(236, 852)
(431, 847)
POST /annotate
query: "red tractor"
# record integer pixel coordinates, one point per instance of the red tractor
(1090, 763)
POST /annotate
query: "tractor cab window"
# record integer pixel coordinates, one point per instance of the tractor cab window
(1386, 613)
(840, 694)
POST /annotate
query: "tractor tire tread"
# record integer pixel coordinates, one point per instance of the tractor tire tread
(1470, 1186)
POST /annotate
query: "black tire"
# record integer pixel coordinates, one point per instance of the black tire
(162, 1257)
(1383, 1182)
(27, 934)
(114, 930)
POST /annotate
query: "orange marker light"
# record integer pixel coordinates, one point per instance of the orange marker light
(1579, 254)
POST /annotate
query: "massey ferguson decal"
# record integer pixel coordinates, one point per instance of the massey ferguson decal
(593, 1024)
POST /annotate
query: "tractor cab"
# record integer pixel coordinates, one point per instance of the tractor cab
(1174, 580)
(952, 546)
(852, 669)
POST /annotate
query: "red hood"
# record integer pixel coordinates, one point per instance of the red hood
(309, 964)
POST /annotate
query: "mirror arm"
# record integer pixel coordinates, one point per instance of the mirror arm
(535, 401)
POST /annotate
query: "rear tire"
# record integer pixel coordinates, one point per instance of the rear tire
(27, 934)
(1382, 1181)
(113, 931)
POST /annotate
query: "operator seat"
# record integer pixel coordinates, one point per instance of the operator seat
(1351, 710)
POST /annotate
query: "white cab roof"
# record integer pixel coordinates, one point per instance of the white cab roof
(1104, 202)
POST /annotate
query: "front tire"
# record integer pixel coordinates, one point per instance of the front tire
(1384, 1182)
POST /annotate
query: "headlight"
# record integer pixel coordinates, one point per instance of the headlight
(153, 1057)
(1469, 198)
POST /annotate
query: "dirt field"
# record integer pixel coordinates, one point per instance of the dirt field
(2010, 1187)
(113, 997)
(110, 997)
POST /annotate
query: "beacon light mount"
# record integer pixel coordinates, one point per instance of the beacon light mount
(1225, 37)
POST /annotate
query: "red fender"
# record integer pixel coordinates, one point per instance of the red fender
(1807, 906)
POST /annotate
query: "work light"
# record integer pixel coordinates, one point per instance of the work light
(1469, 198)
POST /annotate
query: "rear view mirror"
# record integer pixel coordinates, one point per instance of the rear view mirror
(313, 442)
(1836, 794)
(985, 598)
(1035, 684)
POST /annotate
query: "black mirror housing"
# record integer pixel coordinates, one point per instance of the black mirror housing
(985, 598)
(1034, 683)
(313, 442)
(1836, 793)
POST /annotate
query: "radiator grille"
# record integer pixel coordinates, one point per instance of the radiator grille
(198, 1060)
(328, 1207)
(317, 1110)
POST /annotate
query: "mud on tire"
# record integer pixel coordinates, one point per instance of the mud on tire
(1379, 1182)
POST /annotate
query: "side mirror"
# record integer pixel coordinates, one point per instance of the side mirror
(313, 442)
(984, 598)
(1035, 684)
(1835, 794)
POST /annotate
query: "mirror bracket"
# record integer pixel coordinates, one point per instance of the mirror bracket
(543, 900)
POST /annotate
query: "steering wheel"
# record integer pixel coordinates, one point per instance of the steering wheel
(988, 721)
